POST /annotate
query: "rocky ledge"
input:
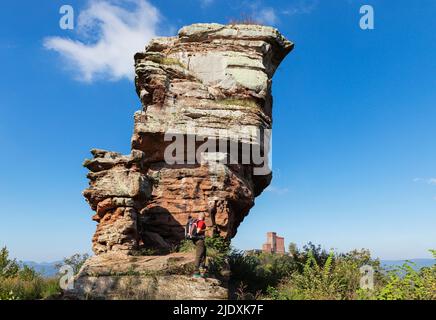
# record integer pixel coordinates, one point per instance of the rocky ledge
(118, 276)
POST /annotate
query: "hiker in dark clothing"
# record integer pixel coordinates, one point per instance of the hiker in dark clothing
(200, 246)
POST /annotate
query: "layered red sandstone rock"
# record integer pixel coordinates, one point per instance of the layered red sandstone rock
(210, 83)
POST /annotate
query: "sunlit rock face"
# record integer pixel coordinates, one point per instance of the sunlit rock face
(118, 189)
(117, 276)
(200, 140)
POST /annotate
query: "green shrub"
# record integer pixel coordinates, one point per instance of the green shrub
(76, 261)
(256, 272)
(16, 288)
(339, 279)
(8, 267)
(23, 283)
(145, 252)
(307, 273)
(186, 246)
(318, 282)
(218, 250)
(309, 251)
(407, 283)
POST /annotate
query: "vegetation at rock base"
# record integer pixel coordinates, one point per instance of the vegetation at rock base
(314, 274)
(23, 283)
(309, 273)
(145, 252)
(218, 251)
(186, 246)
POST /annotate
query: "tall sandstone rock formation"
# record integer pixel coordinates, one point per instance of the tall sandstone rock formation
(210, 83)
(200, 144)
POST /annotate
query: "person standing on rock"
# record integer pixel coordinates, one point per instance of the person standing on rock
(200, 246)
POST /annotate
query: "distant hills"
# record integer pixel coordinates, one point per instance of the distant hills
(420, 263)
(47, 269)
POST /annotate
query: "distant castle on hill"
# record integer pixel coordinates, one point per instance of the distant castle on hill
(274, 244)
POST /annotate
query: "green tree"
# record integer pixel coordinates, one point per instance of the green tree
(409, 283)
(24, 282)
(8, 268)
(293, 249)
(76, 261)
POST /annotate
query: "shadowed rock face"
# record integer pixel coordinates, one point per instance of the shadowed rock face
(210, 83)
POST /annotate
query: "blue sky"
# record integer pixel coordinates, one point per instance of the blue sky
(354, 154)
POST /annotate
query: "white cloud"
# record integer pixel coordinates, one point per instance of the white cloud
(277, 190)
(431, 181)
(267, 16)
(301, 7)
(110, 33)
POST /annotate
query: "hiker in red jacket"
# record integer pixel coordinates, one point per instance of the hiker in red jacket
(200, 246)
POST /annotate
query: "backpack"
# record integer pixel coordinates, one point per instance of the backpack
(191, 229)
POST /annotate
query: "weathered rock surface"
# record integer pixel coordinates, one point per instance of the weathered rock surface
(200, 144)
(116, 275)
(213, 82)
(117, 190)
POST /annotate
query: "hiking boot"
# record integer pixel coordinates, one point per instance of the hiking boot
(204, 272)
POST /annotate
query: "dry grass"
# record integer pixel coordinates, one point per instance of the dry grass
(245, 19)
(20, 289)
